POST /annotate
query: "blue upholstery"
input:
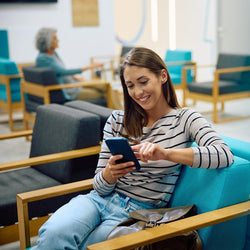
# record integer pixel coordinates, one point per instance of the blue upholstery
(213, 189)
(175, 71)
(8, 67)
(4, 48)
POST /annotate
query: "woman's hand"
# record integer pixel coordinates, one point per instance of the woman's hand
(78, 77)
(113, 171)
(149, 151)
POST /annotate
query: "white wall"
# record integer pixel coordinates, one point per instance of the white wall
(76, 44)
(190, 27)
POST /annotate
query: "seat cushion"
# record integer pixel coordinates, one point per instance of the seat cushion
(225, 87)
(59, 128)
(24, 180)
(102, 112)
(18, 181)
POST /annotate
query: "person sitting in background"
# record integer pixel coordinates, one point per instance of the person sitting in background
(47, 43)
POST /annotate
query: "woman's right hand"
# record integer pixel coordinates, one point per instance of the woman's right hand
(113, 171)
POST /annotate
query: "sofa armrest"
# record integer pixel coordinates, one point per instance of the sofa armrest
(50, 158)
(175, 228)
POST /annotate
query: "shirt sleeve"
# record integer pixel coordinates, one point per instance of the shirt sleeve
(211, 150)
(46, 61)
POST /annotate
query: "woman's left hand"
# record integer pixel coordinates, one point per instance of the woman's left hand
(149, 151)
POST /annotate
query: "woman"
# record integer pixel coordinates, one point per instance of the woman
(47, 43)
(160, 134)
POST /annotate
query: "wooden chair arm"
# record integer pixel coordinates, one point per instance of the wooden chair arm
(16, 134)
(232, 70)
(190, 63)
(175, 228)
(50, 158)
(78, 84)
(54, 191)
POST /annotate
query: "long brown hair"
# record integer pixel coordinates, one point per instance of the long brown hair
(135, 116)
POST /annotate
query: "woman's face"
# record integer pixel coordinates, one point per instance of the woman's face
(54, 41)
(144, 87)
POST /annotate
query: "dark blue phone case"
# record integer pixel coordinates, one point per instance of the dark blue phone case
(120, 145)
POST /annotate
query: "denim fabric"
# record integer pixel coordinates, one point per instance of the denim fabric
(85, 220)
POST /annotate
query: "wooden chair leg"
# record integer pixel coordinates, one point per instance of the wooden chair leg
(215, 113)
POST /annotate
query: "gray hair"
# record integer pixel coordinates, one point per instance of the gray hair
(44, 39)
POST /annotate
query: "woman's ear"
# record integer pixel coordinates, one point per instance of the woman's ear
(164, 76)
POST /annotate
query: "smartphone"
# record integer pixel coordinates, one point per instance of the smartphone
(120, 145)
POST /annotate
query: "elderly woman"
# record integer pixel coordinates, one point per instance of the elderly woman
(47, 43)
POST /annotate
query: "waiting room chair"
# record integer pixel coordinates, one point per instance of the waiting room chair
(175, 61)
(40, 86)
(221, 196)
(10, 90)
(231, 81)
(64, 148)
(113, 62)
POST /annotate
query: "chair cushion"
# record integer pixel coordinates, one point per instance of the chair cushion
(4, 48)
(19, 181)
(59, 128)
(231, 61)
(43, 76)
(211, 189)
(24, 180)
(225, 87)
(102, 112)
(8, 67)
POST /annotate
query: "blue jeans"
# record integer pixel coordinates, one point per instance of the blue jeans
(85, 220)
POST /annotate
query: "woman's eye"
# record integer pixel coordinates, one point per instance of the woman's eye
(144, 82)
(130, 86)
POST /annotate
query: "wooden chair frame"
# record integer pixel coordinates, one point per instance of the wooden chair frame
(215, 98)
(44, 92)
(111, 61)
(130, 241)
(10, 233)
(10, 106)
(181, 86)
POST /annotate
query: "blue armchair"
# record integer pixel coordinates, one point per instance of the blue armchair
(175, 61)
(210, 190)
(10, 92)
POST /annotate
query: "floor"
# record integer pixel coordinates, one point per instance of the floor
(18, 148)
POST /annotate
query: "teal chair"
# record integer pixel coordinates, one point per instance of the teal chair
(210, 190)
(175, 61)
(10, 90)
(4, 48)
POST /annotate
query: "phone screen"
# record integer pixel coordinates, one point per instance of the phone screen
(120, 145)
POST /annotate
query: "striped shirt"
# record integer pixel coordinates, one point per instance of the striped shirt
(154, 183)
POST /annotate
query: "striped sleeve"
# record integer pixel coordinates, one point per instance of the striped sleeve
(212, 152)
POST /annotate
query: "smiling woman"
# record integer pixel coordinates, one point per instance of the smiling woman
(160, 135)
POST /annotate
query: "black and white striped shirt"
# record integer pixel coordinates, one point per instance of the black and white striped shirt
(154, 183)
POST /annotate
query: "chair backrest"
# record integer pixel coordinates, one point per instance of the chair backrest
(9, 67)
(176, 70)
(59, 128)
(4, 48)
(125, 50)
(226, 60)
(102, 112)
(43, 76)
(211, 189)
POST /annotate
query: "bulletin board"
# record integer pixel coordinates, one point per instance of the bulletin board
(85, 12)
